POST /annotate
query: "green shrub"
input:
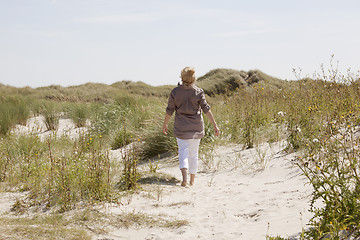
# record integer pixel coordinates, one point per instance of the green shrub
(52, 116)
(13, 110)
(156, 142)
(332, 165)
(79, 113)
(130, 177)
(122, 138)
(58, 172)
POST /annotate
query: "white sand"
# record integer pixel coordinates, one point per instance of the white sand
(249, 194)
(236, 202)
(36, 126)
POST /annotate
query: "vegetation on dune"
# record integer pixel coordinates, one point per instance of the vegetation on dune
(319, 118)
(226, 81)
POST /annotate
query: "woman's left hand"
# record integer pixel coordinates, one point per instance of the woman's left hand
(165, 129)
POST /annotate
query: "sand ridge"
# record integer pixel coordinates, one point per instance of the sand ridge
(247, 194)
(231, 202)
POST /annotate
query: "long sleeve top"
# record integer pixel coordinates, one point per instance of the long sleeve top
(188, 102)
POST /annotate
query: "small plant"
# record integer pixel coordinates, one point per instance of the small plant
(51, 116)
(276, 238)
(153, 167)
(261, 161)
(122, 138)
(130, 159)
(207, 158)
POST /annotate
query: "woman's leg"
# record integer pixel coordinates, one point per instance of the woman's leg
(184, 173)
(183, 148)
(193, 158)
(192, 179)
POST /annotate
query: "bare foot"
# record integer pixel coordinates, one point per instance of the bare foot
(183, 184)
(192, 179)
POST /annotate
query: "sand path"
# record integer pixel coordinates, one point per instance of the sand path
(235, 202)
(248, 194)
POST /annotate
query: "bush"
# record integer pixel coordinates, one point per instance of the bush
(79, 113)
(58, 172)
(52, 116)
(122, 138)
(156, 142)
(14, 110)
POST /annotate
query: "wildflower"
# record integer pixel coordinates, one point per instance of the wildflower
(138, 139)
(298, 129)
(100, 136)
(318, 168)
(281, 113)
(315, 140)
(90, 139)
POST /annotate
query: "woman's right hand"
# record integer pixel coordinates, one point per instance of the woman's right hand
(217, 131)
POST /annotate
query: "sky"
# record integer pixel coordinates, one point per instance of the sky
(72, 42)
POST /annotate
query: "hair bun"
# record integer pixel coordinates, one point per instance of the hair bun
(188, 76)
(188, 71)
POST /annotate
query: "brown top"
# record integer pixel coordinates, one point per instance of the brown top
(188, 101)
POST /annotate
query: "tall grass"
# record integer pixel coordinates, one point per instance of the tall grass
(52, 115)
(57, 172)
(79, 113)
(13, 110)
(319, 118)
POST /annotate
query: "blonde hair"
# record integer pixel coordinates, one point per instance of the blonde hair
(188, 76)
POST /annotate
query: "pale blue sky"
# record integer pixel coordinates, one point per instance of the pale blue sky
(71, 42)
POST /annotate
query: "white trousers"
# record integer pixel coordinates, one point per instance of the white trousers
(188, 154)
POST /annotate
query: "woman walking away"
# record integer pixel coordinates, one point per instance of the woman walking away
(188, 101)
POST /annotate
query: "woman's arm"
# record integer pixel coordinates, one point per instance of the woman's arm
(165, 126)
(210, 116)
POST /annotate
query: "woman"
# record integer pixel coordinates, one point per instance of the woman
(188, 101)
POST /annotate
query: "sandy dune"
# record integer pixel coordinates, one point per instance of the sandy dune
(242, 200)
(249, 194)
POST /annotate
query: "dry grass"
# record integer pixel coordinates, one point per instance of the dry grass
(247, 111)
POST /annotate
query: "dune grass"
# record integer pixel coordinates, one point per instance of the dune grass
(319, 118)
(79, 224)
(13, 110)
